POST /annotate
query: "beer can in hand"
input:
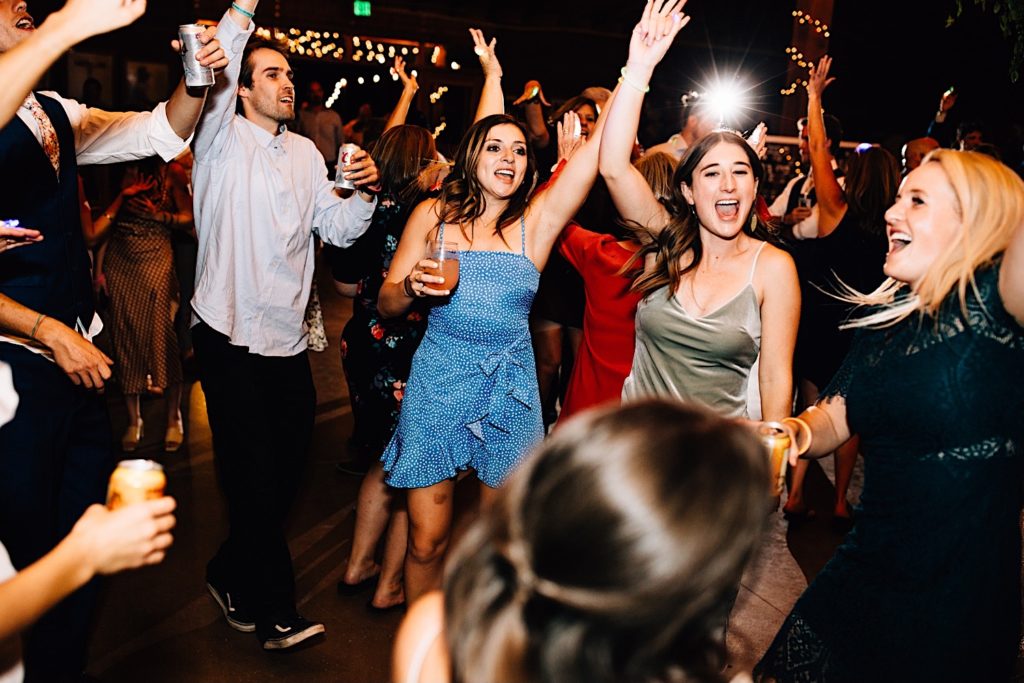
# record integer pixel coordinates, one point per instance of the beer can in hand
(776, 440)
(345, 154)
(135, 481)
(196, 75)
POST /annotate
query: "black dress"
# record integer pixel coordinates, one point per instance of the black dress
(849, 255)
(927, 585)
(376, 352)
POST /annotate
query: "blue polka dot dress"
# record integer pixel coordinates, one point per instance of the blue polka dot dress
(472, 397)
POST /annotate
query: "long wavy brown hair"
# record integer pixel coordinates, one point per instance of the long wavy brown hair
(613, 555)
(682, 234)
(462, 199)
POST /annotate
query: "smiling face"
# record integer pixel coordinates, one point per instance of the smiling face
(16, 24)
(502, 161)
(270, 101)
(588, 119)
(722, 190)
(922, 224)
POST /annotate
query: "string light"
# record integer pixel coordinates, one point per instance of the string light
(819, 27)
(438, 94)
(440, 129)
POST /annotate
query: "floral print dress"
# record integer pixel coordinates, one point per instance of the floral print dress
(376, 352)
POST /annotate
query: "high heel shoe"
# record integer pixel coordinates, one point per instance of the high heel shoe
(132, 436)
(174, 437)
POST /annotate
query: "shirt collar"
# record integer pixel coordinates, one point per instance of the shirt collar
(264, 138)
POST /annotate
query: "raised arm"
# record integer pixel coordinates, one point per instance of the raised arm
(492, 100)
(186, 104)
(409, 88)
(648, 44)
(233, 32)
(1011, 276)
(831, 199)
(531, 101)
(22, 66)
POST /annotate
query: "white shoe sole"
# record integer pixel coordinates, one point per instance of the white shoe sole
(232, 622)
(294, 639)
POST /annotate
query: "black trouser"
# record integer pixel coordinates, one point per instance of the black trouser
(261, 412)
(55, 459)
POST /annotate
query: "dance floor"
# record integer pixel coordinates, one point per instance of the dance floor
(160, 625)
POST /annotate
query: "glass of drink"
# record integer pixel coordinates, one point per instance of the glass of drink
(446, 255)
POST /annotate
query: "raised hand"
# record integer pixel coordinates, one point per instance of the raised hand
(532, 90)
(948, 100)
(92, 17)
(485, 52)
(658, 26)
(569, 137)
(408, 82)
(758, 140)
(817, 79)
(211, 54)
(142, 184)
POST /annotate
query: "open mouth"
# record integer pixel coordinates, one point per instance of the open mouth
(898, 240)
(505, 174)
(288, 100)
(25, 23)
(727, 209)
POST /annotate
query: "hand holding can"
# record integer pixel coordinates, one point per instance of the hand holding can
(345, 154)
(196, 75)
(135, 481)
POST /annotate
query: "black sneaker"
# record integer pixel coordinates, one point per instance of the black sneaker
(237, 616)
(285, 633)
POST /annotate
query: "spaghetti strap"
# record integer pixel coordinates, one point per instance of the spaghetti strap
(522, 234)
(440, 233)
(756, 256)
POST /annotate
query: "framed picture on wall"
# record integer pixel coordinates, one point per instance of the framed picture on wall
(91, 78)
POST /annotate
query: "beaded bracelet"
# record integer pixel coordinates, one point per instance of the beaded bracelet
(241, 10)
(624, 78)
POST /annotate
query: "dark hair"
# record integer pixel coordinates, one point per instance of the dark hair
(571, 104)
(833, 131)
(401, 155)
(682, 234)
(988, 149)
(245, 76)
(614, 554)
(461, 200)
(967, 127)
(872, 180)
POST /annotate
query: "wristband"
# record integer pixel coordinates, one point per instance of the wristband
(241, 10)
(35, 328)
(624, 78)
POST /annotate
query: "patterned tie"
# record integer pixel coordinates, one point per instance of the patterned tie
(46, 131)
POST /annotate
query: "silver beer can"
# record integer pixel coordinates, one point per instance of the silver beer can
(196, 75)
(345, 154)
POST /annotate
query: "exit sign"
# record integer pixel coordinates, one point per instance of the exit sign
(361, 8)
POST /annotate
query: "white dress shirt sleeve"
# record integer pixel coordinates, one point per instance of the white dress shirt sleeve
(778, 207)
(106, 137)
(339, 221)
(220, 103)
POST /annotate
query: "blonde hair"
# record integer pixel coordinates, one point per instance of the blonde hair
(990, 205)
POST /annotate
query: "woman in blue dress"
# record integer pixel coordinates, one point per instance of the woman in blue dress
(927, 585)
(472, 400)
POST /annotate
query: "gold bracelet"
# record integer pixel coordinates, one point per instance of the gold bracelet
(806, 428)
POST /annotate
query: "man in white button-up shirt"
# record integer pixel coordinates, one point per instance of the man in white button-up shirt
(261, 195)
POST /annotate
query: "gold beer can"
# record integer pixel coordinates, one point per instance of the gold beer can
(135, 481)
(776, 440)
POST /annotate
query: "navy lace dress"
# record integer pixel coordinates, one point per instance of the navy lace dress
(927, 585)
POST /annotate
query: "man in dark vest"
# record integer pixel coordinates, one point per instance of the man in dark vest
(55, 456)
(794, 207)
